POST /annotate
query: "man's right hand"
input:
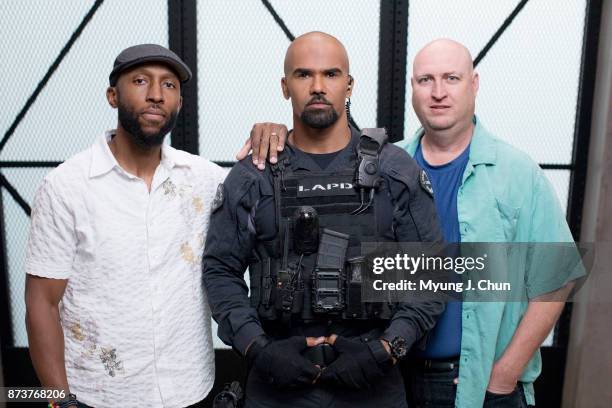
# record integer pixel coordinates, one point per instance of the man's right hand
(281, 363)
(265, 139)
(359, 364)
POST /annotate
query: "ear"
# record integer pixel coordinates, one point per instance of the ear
(412, 82)
(349, 88)
(285, 88)
(180, 104)
(475, 82)
(111, 96)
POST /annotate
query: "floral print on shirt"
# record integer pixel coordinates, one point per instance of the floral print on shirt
(108, 356)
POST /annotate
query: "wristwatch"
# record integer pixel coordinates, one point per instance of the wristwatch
(398, 348)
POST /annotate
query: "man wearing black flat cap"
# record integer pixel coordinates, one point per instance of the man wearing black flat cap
(116, 314)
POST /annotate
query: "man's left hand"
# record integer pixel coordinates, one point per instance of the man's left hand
(503, 379)
(266, 140)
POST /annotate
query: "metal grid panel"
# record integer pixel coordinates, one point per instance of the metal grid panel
(472, 22)
(560, 181)
(71, 110)
(529, 78)
(31, 51)
(26, 182)
(240, 62)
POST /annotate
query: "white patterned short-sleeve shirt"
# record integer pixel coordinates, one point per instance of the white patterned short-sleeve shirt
(135, 316)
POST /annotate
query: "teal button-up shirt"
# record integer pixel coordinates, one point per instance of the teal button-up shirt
(504, 197)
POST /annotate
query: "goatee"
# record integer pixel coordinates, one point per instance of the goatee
(129, 121)
(319, 118)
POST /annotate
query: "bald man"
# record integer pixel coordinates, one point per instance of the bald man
(308, 347)
(485, 191)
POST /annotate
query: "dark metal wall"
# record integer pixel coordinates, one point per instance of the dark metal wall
(392, 63)
(183, 41)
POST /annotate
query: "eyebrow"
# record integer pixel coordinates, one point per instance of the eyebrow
(308, 71)
(456, 73)
(144, 71)
(333, 71)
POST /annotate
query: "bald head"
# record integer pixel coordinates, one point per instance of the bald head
(443, 52)
(317, 82)
(315, 45)
(444, 88)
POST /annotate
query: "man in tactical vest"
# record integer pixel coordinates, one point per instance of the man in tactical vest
(298, 227)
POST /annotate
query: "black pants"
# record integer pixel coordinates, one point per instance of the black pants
(436, 388)
(389, 392)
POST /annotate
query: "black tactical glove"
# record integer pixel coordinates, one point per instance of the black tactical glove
(280, 363)
(359, 364)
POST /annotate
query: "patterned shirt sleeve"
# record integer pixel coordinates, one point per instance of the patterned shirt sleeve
(52, 240)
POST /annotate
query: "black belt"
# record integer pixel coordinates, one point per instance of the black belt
(322, 355)
(435, 365)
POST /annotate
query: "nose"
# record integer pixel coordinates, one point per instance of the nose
(438, 91)
(155, 93)
(317, 86)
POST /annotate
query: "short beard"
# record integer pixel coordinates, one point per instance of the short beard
(319, 118)
(129, 121)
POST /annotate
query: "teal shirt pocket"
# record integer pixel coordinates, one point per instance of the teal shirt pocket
(509, 219)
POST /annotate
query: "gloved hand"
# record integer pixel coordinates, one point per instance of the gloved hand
(280, 362)
(359, 364)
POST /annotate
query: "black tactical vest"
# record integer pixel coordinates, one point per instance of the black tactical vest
(295, 279)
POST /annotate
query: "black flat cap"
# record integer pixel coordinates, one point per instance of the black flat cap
(143, 53)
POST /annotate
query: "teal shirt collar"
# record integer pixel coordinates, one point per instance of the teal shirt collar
(483, 149)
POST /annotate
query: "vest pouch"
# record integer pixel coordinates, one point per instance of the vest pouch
(289, 299)
(328, 278)
(255, 273)
(263, 288)
(289, 302)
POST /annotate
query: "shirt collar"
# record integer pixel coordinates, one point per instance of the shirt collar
(301, 160)
(171, 157)
(483, 147)
(103, 160)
